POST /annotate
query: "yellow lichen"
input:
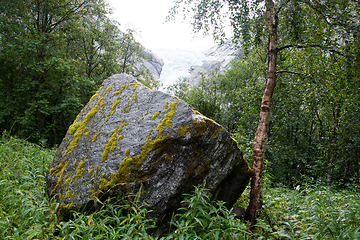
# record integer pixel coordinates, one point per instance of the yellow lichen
(103, 104)
(127, 152)
(52, 171)
(136, 84)
(79, 170)
(196, 112)
(111, 145)
(155, 116)
(183, 130)
(94, 137)
(59, 171)
(67, 181)
(112, 113)
(130, 164)
(122, 89)
(94, 96)
(91, 170)
(127, 109)
(115, 103)
(68, 194)
(74, 127)
(200, 126)
(107, 90)
(79, 127)
(167, 121)
(134, 96)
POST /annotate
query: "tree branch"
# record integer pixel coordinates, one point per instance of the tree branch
(302, 75)
(286, 71)
(282, 4)
(350, 23)
(75, 9)
(309, 46)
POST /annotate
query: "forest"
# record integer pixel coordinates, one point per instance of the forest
(54, 55)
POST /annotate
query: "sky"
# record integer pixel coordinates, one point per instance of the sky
(148, 18)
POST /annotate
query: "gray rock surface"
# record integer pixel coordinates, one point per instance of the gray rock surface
(220, 59)
(153, 63)
(129, 138)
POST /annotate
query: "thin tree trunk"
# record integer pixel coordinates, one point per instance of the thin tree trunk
(330, 166)
(255, 204)
(331, 160)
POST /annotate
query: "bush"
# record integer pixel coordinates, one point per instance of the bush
(202, 220)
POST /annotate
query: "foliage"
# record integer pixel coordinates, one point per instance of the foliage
(25, 212)
(23, 202)
(315, 122)
(307, 212)
(121, 221)
(227, 98)
(54, 55)
(314, 125)
(314, 212)
(200, 219)
(315, 118)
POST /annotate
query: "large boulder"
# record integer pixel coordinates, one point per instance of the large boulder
(129, 138)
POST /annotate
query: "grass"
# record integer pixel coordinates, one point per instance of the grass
(314, 212)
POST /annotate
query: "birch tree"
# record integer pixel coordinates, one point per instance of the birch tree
(288, 25)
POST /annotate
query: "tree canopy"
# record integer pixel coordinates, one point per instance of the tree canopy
(308, 44)
(54, 55)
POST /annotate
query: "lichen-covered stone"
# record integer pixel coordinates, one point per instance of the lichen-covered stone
(129, 138)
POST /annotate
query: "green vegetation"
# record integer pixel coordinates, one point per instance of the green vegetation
(313, 132)
(308, 212)
(54, 54)
(311, 48)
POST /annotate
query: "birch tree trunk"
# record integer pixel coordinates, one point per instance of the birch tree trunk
(255, 204)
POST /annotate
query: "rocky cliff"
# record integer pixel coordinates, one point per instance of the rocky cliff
(153, 63)
(219, 57)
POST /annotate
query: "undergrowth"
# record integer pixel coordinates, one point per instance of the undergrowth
(314, 212)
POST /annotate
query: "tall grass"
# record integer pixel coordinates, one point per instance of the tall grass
(314, 212)
(23, 203)
(26, 213)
